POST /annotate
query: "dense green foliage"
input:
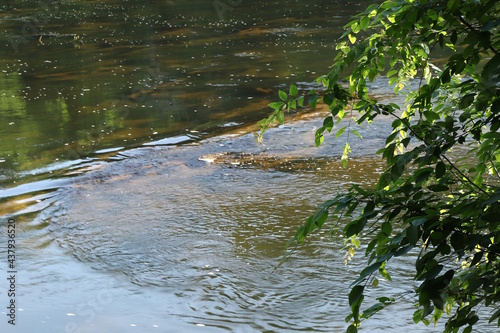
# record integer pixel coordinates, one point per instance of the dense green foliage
(432, 199)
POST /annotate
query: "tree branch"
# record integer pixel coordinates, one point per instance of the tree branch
(474, 30)
(442, 156)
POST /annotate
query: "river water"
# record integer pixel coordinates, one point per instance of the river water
(141, 200)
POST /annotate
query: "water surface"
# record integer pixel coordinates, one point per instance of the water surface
(141, 199)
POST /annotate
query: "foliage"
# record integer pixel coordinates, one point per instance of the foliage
(445, 208)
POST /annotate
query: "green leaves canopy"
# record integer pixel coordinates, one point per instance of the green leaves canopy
(444, 56)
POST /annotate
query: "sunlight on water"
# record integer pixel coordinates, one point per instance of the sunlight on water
(203, 233)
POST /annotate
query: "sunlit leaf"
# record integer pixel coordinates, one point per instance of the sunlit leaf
(352, 38)
(345, 155)
(356, 133)
(340, 132)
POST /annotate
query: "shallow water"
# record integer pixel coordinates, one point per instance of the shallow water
(199, 239)
(141, 199)
(187, 238)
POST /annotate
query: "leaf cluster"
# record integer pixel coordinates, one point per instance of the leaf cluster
(431, 199)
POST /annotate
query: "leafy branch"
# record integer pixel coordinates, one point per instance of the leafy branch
(424, 199)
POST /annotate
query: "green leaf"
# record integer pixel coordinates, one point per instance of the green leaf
(353, 228)
(447, 308)
(355, 27)
(440, 169)
(352, 329)
(417, 221)
(466, 101)
(320, 218)
(356, 133)
(383, 272)
(454, 35)
(283, 96)
(445, 76)
(492, 69)
(318, 137)
(422, 175)
(276, 105)
(495, 315)
(372, 309)
(438, 188)
(280, 116)
(328, 123)
(340, 131)
(370, 269)
(355, 295)
(293, 90)
(345, 155)
(312, 101)
(370, 206)
(363, 24)
(417, 316)
(431, 116)
(387, 228)
(355, 241)
(352, 38)
(372, 74)
(441, 40)
(300, 101)
(412, 234)
(392, 72)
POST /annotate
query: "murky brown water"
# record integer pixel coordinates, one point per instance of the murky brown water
(142, 202)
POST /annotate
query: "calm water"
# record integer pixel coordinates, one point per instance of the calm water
(142, 202)
(140, 72)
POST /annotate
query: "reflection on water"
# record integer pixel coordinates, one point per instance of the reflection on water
(140, 72)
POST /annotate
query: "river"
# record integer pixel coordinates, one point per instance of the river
(141, 200)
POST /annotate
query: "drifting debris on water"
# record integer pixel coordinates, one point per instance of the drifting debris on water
(228, 158)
